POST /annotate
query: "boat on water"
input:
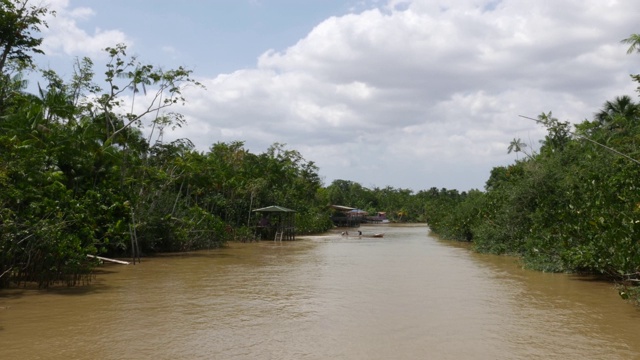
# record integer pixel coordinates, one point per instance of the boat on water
(376, 235)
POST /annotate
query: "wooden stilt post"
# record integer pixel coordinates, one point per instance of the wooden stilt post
(135, 248)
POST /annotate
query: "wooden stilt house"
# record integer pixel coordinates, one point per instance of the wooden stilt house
(276, 222)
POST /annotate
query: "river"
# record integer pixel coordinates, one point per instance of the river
(404, 296)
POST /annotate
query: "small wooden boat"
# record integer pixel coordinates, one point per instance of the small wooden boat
(360, 234)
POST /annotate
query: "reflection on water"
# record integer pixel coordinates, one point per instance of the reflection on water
(404, 296)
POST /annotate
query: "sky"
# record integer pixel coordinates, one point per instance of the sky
(411, 94)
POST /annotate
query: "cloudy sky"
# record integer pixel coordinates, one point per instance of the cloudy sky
(409, 94)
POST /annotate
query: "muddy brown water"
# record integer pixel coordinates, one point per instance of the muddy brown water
(404, 296)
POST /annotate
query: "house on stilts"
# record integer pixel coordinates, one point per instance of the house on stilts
(276, 222)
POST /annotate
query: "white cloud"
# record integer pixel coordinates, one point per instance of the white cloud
(65, 37)
(437, 86)
(411, 94)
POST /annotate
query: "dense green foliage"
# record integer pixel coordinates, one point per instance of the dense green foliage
(573, 206)
(78, 177)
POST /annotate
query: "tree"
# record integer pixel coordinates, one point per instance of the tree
(516, 146)
(558, 136)
(622, 106)
(634, 46)
(18, 22)
(634, 43)
(167, 86)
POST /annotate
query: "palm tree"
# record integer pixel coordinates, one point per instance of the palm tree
(634, 43)
(622, 106)
(634, 46)
(516, 146)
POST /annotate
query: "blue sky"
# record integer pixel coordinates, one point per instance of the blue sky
(214, 36)
(403, 93)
